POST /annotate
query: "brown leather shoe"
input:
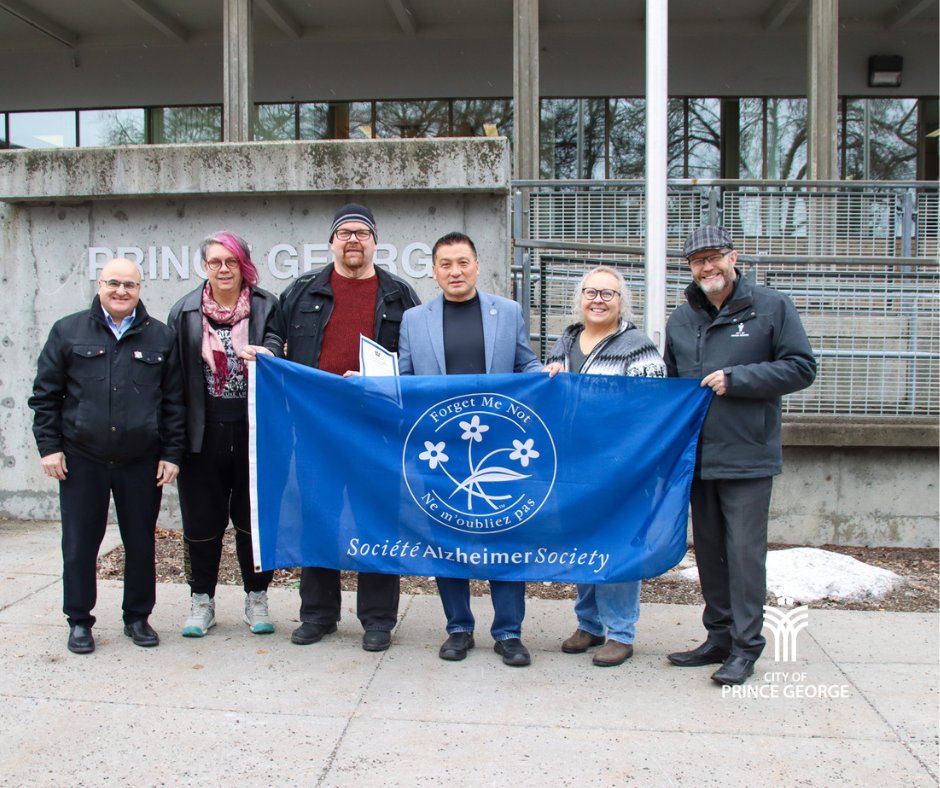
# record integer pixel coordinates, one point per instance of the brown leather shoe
(612, 654)
(580, 642)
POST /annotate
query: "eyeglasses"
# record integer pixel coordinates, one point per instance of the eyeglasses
(590, 293)
(229, 262)
(361, 235)
(712, 259)
(117, 284)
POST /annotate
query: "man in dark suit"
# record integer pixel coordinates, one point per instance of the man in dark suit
(109, 420)
(466, 331)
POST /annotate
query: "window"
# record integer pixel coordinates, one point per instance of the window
(598, 138)
(42, 129)
(572, 138)
(880, 139)
(412, 119)
(751, 128)
(627, 138)
(773, 138)
(314, 123)
(579, 137)
(786, 138)
(187, 124)
(703, 138)
(336, 120)
(275, 122)
(112, 127)
(482, 118)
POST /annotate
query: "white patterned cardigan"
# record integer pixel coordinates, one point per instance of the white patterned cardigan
(628, 351)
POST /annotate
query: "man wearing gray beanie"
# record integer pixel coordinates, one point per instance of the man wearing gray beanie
(321, 317)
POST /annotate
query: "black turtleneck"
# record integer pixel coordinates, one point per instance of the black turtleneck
(464, 353)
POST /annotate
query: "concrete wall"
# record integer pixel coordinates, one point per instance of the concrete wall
(853, 495)
(64, 213)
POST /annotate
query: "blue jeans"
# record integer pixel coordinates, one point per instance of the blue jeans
(609, 608)
(508, 599)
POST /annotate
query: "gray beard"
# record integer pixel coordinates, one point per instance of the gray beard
(726, 285)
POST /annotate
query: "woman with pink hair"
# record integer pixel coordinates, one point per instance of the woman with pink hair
(219, 326)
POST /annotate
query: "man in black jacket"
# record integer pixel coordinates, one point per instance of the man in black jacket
(748, 345)
(319, 322)
(109, 419)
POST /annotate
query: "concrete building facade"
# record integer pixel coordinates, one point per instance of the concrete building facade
(563, 87)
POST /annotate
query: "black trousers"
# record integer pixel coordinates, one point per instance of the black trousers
(214, 488)
(376, 598)
(729, 528)
(84, 497)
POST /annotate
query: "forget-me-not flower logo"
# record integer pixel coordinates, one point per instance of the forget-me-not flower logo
(501, 480)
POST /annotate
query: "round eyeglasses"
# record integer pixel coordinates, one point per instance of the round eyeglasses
(215, 263)
(590, 293)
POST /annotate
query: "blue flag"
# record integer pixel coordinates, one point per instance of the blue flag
(579, 478)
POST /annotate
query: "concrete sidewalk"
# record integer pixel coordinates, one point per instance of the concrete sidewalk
(241, 709)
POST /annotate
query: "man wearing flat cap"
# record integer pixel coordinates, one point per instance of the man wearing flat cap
(321, 317)
(747, 344)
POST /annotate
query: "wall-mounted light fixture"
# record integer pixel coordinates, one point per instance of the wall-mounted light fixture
(884, 71)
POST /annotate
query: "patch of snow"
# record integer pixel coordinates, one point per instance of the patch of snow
(808, 574)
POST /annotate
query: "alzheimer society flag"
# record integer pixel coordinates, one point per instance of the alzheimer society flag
(577, 478)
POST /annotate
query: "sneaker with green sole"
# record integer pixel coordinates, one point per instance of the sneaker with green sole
(201, 616)
(256, 613)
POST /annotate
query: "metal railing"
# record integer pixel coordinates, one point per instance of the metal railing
(858, 259)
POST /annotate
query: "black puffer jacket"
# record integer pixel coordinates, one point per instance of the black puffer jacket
(305, 310)
(758, 340)
(186, 321)
(110, 400)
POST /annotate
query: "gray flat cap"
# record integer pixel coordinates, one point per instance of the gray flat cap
(709, 236)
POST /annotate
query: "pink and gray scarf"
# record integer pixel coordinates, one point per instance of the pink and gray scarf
(213, 352)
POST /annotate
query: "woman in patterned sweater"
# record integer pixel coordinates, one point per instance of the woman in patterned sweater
(604, 342)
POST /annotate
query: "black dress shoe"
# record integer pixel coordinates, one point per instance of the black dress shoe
(308, 633)
(513, 652)
(81, 641)
(456, 646)
(735, 670)
(376, 640)
(142, 633)
(706, 654)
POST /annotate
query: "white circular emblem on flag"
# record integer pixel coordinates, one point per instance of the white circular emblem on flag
(479, 463)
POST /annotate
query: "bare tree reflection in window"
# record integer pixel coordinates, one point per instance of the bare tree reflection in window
(116, 127)
(786, 138)
(411, 119)
(572, 138)
(627, 138)
(187, 124)
(880, 139)
(703, 138)
(478, 117)
(275, 122)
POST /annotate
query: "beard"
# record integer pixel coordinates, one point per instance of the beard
(715, 285)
